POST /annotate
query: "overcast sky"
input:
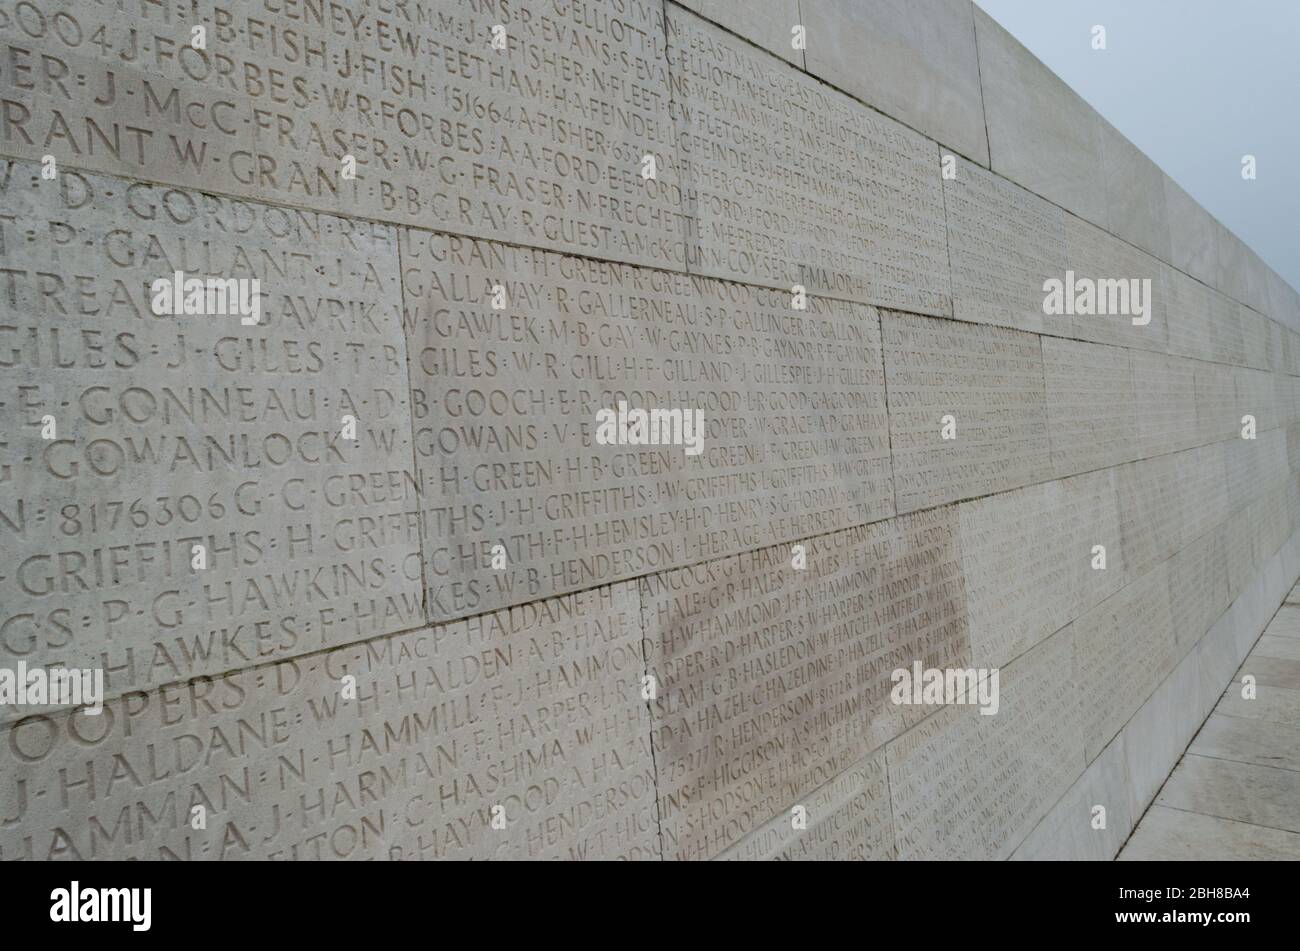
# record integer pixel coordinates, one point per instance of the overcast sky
(1195, 84)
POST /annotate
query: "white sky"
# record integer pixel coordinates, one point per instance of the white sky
(1195, 84)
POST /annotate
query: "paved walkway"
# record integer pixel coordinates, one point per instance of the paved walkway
(1235, 794)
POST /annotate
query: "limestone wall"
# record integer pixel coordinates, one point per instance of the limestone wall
(516, 173)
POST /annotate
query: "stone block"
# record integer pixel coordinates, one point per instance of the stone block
(1202, 489)
(969, 786)
(1254, 338)
(1123, 281)
(794, 440)
(848, 819)
(1067, 832)
(531, 717)
(1198, 590)
(787, 181)
(1042, 134)
(1258, 795)
(1027, 556)
(1258, 396)
(1189, 317)
(1174, 835)
(201, 504)
(1151, 512)
(1165, 388)
(1240, 273)
(1249, 741)
(765, 23)
(1091, 409)
(1158, 733)
(541, 142)
(1273, 704)
(990, 381)
(1193, 235)
(1217, 416)
(1229, 336)
(914, 60)
(1123, 649)
(773, 680)
(1004, 243)
(1135, 194)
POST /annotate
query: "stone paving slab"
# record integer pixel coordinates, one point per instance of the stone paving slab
(1173, 835)
(1236, 792)
(1275, 704)
(1283, 648)
(1260, 795)
(1243, 740)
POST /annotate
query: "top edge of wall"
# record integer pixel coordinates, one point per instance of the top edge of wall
(949, 70)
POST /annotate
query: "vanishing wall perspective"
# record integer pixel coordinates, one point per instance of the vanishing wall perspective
(520, 685)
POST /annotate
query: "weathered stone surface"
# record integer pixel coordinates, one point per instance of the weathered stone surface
(536, 710)
(566, 646)
(1189, 316)
(1120, 273)
(1067, 832)
(540, 142)
(1275, 704)
(1202, 486)
(990, 381)
(1257, 395)
(1174, 835)
(1159, 731)
(172, 432)
(1004, 243)
(1151, 512)
(1193, 235)
(795, 439)
(1198, 588)
(1249, 741)
(1272, 671)
(1165, 388)
(847, 819)
(1041, 133)
(1283, 302)
(1275, 523)
(1286, 623)
(1027, 556)
(1259, 795)
(1240, 543)
(1254, 337)
(1217, 416)
(1255, 466)
(772, 680)
(1240, 273)
(1091, 409)
(766, 23)
(1226, 318)
(912, 59)
(969, 786)
(1123, 648)
(787, 181)
(1279, 346)
(1135, 194)
(1272, 645)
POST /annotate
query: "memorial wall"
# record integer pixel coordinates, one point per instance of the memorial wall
(365, 577)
